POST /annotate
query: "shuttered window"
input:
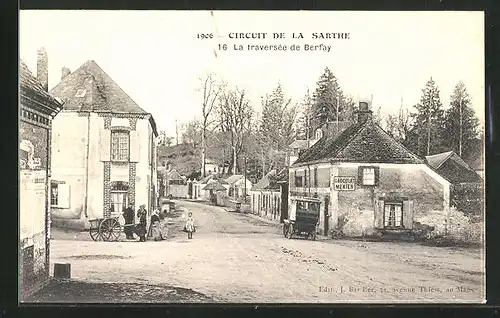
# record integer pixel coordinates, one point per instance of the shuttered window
(120, 145)
(60, 195)
(368, 175)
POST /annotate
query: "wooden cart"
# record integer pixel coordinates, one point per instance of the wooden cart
(106, 229)
(303, 218)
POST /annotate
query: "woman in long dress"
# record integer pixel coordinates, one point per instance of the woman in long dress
(155, 227)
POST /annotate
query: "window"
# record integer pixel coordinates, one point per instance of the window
(368, 176)
(306, 181)
(120, 145)
(393, 215)
(119, 200)
(298, 181)
(60, 194)
(53, 193)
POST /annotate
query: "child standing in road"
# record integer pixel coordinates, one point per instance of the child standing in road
(190, 225)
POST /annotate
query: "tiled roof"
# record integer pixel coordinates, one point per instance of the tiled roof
(264, 183)
(360, 142)
(453, 168)
(232, 179)
(435, 161)
(89, 88)
(31, 86)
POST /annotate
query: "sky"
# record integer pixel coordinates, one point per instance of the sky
(157, 58)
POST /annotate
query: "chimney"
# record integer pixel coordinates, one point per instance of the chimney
(364, 112)
(65, 72)
(42, 69)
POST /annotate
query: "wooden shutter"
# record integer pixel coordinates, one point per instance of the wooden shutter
(64, 196)
(105, 145)
(134, 146)
(408, 214)
(360, 175)
(379, 214)
(377, 175)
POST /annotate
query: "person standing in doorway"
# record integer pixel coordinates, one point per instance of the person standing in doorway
(128, 215)
(141, 228)
(190, 228)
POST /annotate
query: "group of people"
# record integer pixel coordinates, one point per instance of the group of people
(156, 227)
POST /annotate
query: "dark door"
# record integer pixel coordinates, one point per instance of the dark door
(284, 201)
(326, 217)
(190, 190)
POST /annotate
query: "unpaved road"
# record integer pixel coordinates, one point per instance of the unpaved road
(239, 258)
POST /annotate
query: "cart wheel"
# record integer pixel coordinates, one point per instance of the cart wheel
(110, 230)
(94, 234)
(285, 230)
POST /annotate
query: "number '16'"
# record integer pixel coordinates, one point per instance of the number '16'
(223, 47)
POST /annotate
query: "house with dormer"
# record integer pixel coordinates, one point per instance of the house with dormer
(360, 173)
(104, 149)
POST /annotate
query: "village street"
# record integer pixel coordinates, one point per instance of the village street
(239, 258)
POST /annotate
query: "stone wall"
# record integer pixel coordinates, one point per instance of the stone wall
(33, 264)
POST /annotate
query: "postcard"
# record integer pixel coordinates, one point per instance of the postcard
(251, 157)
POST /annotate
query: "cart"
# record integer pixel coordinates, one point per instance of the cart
(106, 229)
(304, 217)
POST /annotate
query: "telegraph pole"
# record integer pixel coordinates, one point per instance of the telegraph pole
(245, 181)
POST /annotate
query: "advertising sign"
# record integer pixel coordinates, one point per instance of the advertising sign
(344, 183)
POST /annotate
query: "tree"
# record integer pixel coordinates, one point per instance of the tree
(330, 104)
(303, 123)
(235, 115)
(211, 91)
(461, 123)
(429, 121)
(191, 133)
(276, 129)
(399, 125)
(163, 139)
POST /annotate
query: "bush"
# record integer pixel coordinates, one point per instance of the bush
(461, 228)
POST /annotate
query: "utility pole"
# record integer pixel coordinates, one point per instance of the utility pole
(176, 133)
(460, 127)
(245, 181)
(337, 95)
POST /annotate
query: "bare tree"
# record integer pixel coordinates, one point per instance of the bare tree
(235, 115)
(211, 91)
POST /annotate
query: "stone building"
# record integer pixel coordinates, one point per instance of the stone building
(104, 149)
(364, 176)
(37, 110)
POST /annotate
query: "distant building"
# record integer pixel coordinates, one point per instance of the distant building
(466, 184)
(269, 196)
(237, 186)
(37, 110)
(104, 148)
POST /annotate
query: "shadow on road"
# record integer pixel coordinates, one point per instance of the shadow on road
(88, 292)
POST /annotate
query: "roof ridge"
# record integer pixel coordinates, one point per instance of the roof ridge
(398, 143)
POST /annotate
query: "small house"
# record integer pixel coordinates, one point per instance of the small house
(269, 196)
(239, 186)
(467, 189)
(368, 182)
